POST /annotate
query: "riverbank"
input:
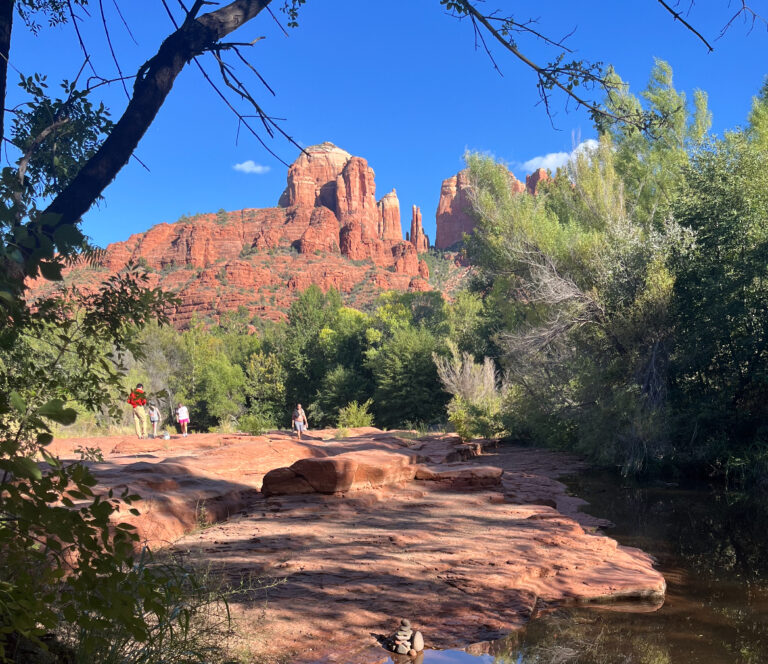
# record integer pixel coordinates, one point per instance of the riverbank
(467, 540)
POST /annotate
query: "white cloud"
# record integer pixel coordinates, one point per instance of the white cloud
(251, 167)
(555, 160)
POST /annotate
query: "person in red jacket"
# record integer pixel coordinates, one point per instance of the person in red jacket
(138, 400)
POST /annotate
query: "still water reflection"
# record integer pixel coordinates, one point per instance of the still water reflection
(712, 548)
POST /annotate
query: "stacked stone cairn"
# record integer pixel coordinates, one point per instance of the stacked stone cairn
(405, 641)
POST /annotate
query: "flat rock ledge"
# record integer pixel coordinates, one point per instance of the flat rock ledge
(467, 540)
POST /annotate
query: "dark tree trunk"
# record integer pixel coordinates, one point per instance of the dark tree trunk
(6, 24)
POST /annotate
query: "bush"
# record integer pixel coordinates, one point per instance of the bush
(355, 415)
(475, 409)
(187, 622)
(256, 423)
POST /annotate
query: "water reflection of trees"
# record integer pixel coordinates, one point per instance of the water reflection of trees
(713, 546)
(581, 637)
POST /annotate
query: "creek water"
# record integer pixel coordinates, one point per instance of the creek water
(711, 546)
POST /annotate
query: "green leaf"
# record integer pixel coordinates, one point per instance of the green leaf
(17, 402)
(44, 438)
(54, 410)
(51, 270)
(25, 467)
(7, 296)
(67, 236)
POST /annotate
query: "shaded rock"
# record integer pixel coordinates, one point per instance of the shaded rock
(465, 477)
(533, 180)
(470, 564)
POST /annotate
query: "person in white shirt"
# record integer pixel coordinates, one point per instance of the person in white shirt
(182, 416)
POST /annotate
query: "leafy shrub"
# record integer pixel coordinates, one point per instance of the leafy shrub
(355, 415)
(475, 408)
(256, 423)
(187, 620)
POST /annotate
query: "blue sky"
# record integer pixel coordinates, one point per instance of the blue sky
(399, 83)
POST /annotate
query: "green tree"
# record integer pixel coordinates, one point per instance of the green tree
(265, 387)
(407, 385)
(309, 314)
(63, 559)
(585, 330)
(346, 377)
(721, 295)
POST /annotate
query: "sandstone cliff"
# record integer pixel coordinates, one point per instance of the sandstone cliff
(454, 217)
(417, 236)
(328, 229)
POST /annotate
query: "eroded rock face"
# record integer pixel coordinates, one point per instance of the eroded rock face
(312, 177)
(417, 236)
(389, 217)
(453, 211)
(326, 226)
(533, 180)
(374, 526)
(454, 218)
(356, 197)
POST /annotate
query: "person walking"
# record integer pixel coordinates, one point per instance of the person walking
(154, 418)
(138, 400)
(182, 415)
(299, 420)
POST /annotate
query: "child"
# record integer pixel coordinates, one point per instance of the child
(154, 418)
(182, 415)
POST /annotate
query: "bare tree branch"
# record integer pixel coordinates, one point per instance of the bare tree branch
(750, 15)
(111, 48)
(153, 84)
(678, 17)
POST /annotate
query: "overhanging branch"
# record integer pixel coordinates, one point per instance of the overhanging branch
(153, 84)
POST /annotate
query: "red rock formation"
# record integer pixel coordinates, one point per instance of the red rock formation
(389, 217)
(515, 185)
(356, 197)
(533, 180)
(406, 260)
(418, 237)
(453, 211)
(248, 258)
(423, 269)
(454, 218)
(312, 177)
(418, 284)
(322, 234)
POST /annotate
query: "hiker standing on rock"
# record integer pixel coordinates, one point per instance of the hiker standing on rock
(182, 415)
(138, 400)
(299, 420)
(154, 418)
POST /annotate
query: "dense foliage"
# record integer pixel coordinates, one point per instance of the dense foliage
(627, 300)
(340, 363)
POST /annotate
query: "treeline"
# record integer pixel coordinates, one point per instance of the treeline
(249, 375)
(629, 296)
